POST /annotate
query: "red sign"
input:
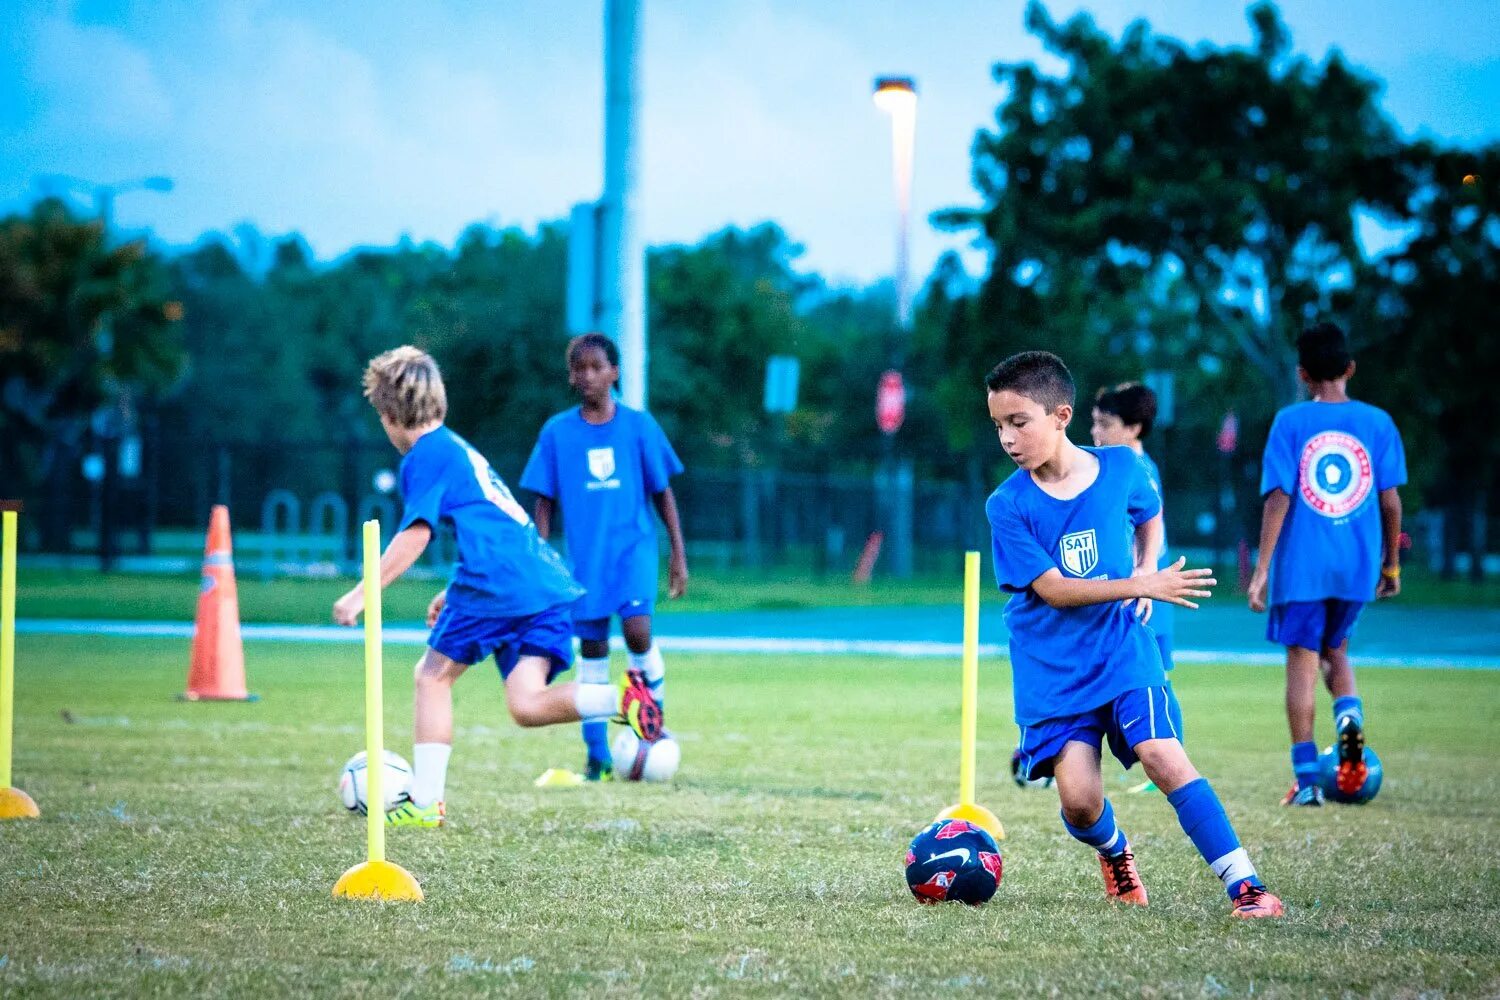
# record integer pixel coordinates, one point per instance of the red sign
(1229, 434)
(890, 402)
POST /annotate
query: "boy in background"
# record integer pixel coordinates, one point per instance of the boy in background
(1329, 543)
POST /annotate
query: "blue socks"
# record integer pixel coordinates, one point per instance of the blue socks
(1305, 764)
(1349, 704)
(1207, 826)
(1103, 836)
(596, 739)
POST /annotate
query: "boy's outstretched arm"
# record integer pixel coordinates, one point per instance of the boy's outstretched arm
(1390, 544)
(1174, 585)
(1273, 516)
(398, 557)
(677, 569)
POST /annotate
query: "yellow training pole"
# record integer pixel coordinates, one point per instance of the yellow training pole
(967, 808)
(377, 878)
(14, 803)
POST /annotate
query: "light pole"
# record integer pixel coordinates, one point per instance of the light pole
(897, 97)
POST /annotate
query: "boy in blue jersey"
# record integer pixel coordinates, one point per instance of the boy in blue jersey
(1124, 415)
(509, 597)
(1076, 535)
(1332, 522)
(605, 465)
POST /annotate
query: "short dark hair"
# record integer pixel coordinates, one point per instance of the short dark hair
(1132, 402)
(1323, 352)
(584, 341)
(1040, 376)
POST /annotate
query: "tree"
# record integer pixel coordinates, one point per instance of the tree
(82, 322)
(1429, 323)
(1237, 171)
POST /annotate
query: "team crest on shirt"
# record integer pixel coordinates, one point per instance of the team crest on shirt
(602, 468)
(1336, 474)
(1080, 552)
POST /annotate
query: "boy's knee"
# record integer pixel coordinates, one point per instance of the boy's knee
(1083, 813)
(638, 637)
(1166, 763)
(434, 671)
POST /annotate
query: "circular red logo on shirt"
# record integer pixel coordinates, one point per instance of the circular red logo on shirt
(1335, 474)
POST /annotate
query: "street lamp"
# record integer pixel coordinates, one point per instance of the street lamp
(897, 97)
(104, 194)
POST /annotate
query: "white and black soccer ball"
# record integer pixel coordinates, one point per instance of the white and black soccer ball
(395, 782)
(1021, 780)
(638, 760)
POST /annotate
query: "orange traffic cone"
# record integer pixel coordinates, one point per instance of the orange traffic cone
(218, 668)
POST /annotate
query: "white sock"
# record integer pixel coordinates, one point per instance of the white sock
(429, 772)
(593, 671)
(596, 701)
(651, 664)
(1233, 868)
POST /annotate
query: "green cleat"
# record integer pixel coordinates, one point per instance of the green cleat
(599, 770)
(408, 813)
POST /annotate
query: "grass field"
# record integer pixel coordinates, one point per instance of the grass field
(190, 849)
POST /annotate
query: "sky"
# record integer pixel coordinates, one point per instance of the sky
(357, 124)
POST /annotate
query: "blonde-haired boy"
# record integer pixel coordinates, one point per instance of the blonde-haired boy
(510, 595)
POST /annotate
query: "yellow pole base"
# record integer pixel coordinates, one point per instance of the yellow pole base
(378, 880)
(978, 815)
(16, 804)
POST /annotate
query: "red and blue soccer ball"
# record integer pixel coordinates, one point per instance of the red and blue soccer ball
(1328, 766)
(953, 861)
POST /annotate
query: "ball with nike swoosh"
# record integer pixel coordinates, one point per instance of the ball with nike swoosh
(952, 860)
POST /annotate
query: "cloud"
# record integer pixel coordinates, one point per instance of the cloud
(90, 81)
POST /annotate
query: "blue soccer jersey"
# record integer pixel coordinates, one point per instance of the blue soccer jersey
(504, 568)
(1065, 661)
(604, 476)
(1332, 459)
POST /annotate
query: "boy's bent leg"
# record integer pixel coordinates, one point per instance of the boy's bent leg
(533, 703)
(1088, 816)
(1301, 706)
(1203, 819)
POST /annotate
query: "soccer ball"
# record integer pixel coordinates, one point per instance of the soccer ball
(953, 861)
(1328, 765)
(1021, 780)
(395, 782)
(636, 760)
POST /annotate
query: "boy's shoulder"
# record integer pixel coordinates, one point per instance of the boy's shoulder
(560, 419)
(1311, 411)
(1005, 495)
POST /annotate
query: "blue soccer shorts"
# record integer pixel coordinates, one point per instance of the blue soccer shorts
(1133, 717)
(467, 638)
(1315, 625)
(597, 629)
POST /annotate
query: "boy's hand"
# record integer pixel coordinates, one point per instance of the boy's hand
(1176, 585)
(677, 577)
(1389, 586)
(1258, 586)
(436, 607)
(347, 609)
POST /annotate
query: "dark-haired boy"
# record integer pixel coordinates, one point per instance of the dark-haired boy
(1332, 520)
(1124, 415)
(1084, 668)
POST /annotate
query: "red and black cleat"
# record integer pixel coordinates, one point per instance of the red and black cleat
(1351, 773)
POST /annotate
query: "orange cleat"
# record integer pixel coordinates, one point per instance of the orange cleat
(1121, 880)
(638, 707)
(1351, 773)
(1253, 901)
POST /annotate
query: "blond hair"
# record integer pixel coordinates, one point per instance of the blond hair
(405, 386)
